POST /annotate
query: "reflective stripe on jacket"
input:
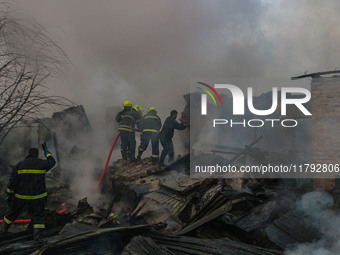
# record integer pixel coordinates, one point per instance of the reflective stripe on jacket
(27, 180)
(127, 120)
(151, 122)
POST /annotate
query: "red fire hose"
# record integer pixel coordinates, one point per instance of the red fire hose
(29, 220)
(62, 211)
(108, 158)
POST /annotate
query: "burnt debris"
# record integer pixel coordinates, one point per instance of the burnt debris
(151, 209)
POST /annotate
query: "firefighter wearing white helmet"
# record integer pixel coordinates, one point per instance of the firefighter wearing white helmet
(127, 119)
(151, 124)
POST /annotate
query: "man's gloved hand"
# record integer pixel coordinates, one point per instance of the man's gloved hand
(46, 152)
(9, 197)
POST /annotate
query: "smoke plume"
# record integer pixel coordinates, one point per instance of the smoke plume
(316, 206)
(148, 51)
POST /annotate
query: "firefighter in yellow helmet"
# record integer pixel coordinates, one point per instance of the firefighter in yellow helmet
(151, 124)
(139, 110)
(127, 104)
(127, 119)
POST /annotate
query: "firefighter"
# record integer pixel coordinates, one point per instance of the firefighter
(27, 188)
(139, 110)
(126, 125)
(167, 134)
(151, 124)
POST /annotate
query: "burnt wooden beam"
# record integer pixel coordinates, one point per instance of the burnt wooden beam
(247, 148)
(315, 75)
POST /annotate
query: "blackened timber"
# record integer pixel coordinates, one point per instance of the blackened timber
(225, 152)
(290, 229)
(256, 217)
(75, 228)
(213, 215)
(144, 246)
(315, 75)
(247, 148)
(101, 241)
(199, 246)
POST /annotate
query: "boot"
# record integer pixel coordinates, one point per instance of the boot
(155, 161)
(37, 234)
(133, 159)
(131, 156)
(124, 154)
(139, 157)
(4, 228)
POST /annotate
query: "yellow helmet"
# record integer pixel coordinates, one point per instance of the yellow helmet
(127, 103)
(152, 109)
(138, 108)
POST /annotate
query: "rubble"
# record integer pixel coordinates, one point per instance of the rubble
(144, 246)
(100, 241)
(148, 209)
(191, 245)
(289, 229)
(153, 210)
(256, 216)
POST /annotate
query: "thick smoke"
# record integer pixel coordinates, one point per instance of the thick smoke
(148, 51)
(82, 155)
(316, 206)
(144, 50)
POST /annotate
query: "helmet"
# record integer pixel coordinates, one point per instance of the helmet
(152, 109)
(127, 103)
(138, 108)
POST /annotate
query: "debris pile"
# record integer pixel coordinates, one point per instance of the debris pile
(161, 210)
(152, 209)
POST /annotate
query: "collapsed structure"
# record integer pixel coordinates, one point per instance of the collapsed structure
(149, 209)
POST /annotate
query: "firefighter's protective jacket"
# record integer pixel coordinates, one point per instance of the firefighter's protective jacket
(127, 119)
(151, 122)
(169, 127)
(27, 180)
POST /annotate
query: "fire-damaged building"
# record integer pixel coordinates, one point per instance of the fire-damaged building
(150, 209)
(58, 131)
(325, 103)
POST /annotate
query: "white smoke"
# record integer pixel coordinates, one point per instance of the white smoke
(316, 206)
(83, 183)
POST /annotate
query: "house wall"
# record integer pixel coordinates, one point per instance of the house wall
(325, 109)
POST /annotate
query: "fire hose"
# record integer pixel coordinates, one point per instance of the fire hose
(108, 158)
(29, 220)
